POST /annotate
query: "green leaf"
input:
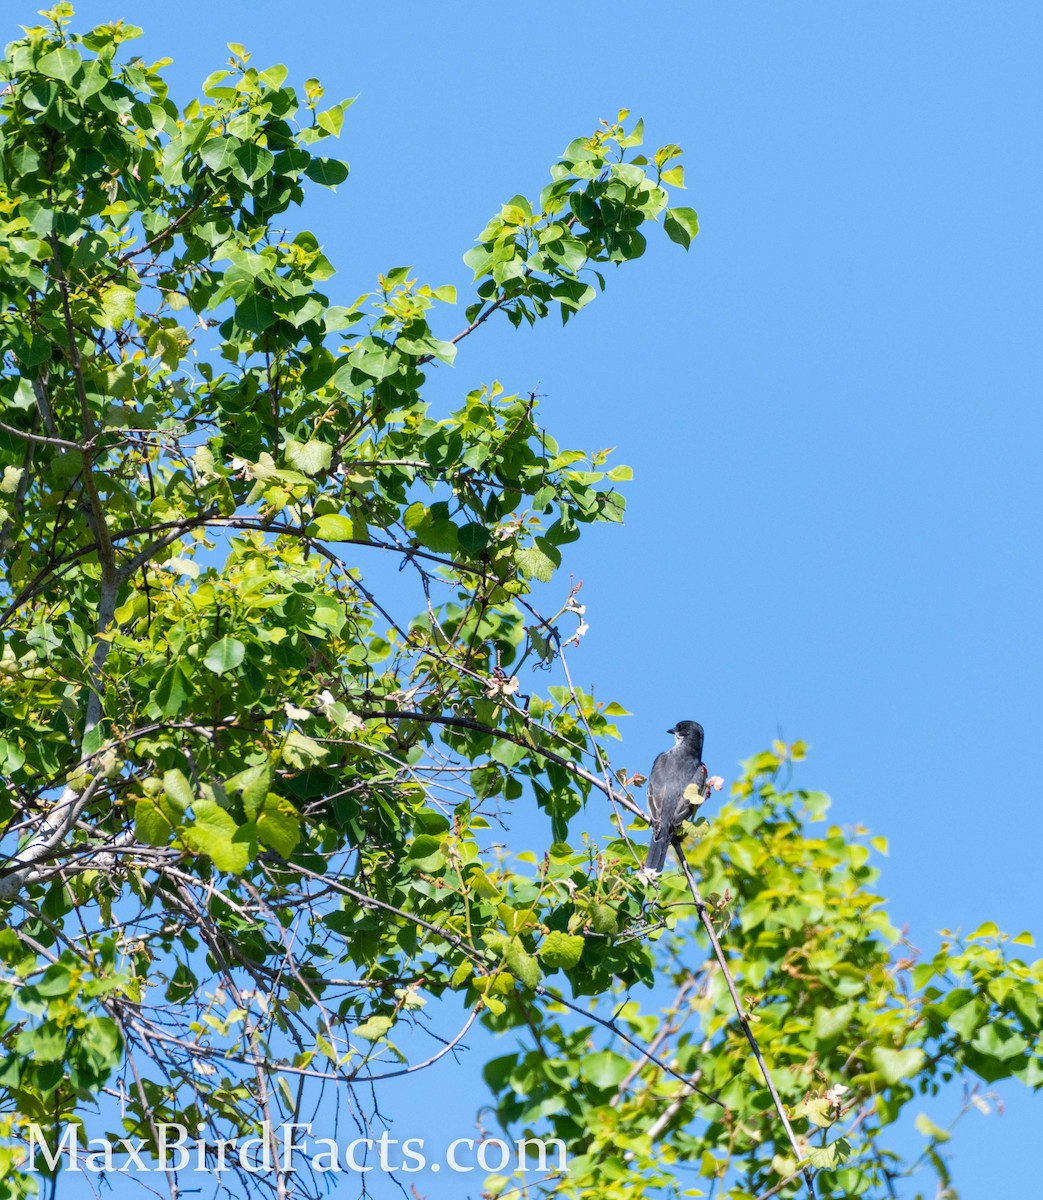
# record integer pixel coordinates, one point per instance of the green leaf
(425, 852)
(48, 1043)
(989, 929)
(299, 750)
(96, 75)
(275, 76)
(538, 561)
(172, 691)
(374, 1029)
(102, 1043)
(1000, 1042)
(473, 537)
(60, 64)
(310, 457)
(327, 171)
(12, 756)
(604, 919)
(178, 790)
(56, 981)
(483, 885)
(497, 1071)
(522, 965)
(681, 225)
(251, 162)
(219, 153)
(927, 1127)
(894, 1065)
(988, 1066)
(695, 796)
(212, 833)
(117, 306)
(334, 527)
(278, 826)
(604, 1069)
(440, 536)
(224, 655)
(254, 313)
(816, 1109)
(479, 259)
(415, 516)
(573, 294)
(830, 1156)
(252, 784)
(331, 120)
(152, 824)
(966, 1019)
(12, 477)
(560, 949)
(831, 1022)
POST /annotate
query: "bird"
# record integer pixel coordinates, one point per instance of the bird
(676, 781)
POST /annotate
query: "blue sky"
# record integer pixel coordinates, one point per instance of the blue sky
(831, 404)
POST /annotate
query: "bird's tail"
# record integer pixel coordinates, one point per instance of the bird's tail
(657, 850)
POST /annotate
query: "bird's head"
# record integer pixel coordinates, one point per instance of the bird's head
(689, 732)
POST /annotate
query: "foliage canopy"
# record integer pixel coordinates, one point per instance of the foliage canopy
(252, 781)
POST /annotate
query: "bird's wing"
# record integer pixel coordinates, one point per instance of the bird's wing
(656, 789)
(680, 775)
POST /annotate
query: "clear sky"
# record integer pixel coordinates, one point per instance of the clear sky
(832, 404)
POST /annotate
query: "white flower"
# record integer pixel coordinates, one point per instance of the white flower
(581, 629)
(500, 685)
(508, 530)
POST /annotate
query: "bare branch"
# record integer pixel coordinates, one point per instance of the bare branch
(38, 439)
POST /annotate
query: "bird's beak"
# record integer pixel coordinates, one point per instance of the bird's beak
(671, 731)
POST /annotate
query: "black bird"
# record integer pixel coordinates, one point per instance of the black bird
(674, 772)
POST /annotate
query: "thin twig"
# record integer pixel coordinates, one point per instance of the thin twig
(776, 1188)
(558, 998)
(38, 439)
(482, 317)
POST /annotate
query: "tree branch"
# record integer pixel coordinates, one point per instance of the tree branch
(503, 735)
(38, 439)
(482, 317)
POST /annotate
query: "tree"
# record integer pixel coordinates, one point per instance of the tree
(248, 805)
